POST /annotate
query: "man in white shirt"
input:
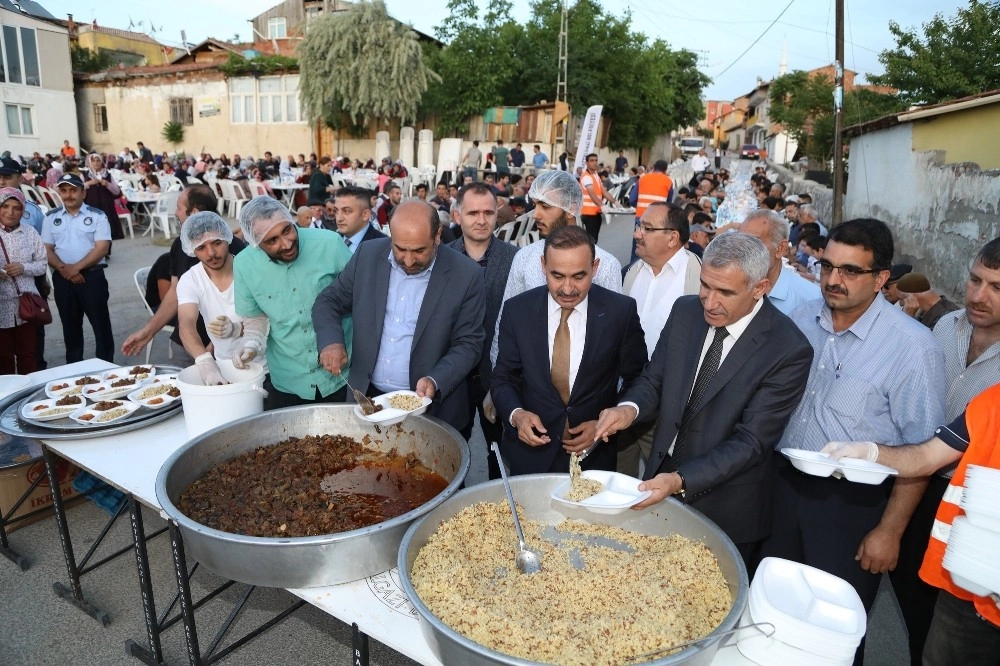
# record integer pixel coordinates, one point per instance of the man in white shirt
(700, 162)
(664, 272)
(207, 289)
(789, 290)
(558, 199)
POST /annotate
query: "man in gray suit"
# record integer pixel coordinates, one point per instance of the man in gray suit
(417, 309)
(726, 374)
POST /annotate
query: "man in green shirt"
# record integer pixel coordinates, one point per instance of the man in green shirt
(276, 282)
(501, 156)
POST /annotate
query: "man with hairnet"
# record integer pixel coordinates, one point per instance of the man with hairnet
(207, 289)
(277, 281)
(558, 200)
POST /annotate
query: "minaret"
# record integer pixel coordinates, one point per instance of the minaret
(783, 67)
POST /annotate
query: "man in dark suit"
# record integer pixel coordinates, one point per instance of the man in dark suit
(476, 213)
(418, 312)
(563, 348)
(353, 215)
(726, 374)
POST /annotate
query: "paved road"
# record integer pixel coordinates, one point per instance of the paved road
(40, 628)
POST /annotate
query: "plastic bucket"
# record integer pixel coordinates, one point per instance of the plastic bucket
(207, 407)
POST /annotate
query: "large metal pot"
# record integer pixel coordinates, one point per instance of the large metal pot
(533, 492)
(317, 560)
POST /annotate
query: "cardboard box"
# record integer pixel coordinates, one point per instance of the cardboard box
(15, 480)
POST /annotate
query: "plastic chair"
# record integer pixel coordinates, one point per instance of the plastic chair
(32, 194)
(126, 218)
(258, 189)
(234, 195)
(140, 277)
(506, 232)
(164, 210)
(52, 198)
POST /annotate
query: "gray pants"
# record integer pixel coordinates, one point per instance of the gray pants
(634, 445)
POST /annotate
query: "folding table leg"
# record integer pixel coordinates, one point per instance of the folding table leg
(73, 594)
(184, 590)
(359, 640)
(153, 655)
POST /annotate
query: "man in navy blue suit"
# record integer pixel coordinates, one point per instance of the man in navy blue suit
(563, 348)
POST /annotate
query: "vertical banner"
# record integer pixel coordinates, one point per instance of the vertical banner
(588, 137)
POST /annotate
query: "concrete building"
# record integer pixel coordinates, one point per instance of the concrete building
(37, 82)
(125, 47)
(933, 175)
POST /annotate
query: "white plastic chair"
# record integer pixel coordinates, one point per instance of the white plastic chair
(234, 196)
(32, 194)
(258, 189)
(164, 210)
(506, 232)
(126, 218)
(140, 277)
(52, 198)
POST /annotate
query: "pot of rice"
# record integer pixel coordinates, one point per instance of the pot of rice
(612, 587)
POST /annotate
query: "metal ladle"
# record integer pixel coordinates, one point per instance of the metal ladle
(527, 560)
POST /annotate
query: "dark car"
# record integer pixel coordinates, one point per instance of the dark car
(749, 152)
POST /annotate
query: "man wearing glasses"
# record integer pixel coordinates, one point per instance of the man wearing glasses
(664, 272)
(877, 375)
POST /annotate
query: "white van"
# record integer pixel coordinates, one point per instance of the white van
(691, 145)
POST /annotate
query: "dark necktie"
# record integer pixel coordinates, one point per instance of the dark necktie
(347, 241)
(706, 373)
(560, 357)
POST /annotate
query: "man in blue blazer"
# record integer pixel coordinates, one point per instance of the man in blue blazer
(562, 349)
(418, 315)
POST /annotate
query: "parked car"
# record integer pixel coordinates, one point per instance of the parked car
(750, 152)
(691, 145)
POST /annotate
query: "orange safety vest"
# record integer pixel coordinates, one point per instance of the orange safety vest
(652, 187)
(983, 420)
(589, 207)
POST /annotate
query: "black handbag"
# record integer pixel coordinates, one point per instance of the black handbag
(31, 308)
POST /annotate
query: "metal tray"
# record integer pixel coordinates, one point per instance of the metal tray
(12, 423)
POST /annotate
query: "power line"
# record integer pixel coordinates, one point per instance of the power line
(790, 3)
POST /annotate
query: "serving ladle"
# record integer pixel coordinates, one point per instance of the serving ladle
(527, 561)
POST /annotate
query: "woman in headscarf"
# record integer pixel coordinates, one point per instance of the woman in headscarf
(21, 259)
(102, 190)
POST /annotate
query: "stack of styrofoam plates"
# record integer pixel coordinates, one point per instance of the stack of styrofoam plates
(980, 497)
(971, 557)
(818, 618)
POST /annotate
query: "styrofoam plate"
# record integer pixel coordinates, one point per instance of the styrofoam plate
(389, 414)
(144, 372)
(47, 410)
(820, 464)
(621, 492)
(68, 386)
(154, 396)
(105, 391)
(96, 416)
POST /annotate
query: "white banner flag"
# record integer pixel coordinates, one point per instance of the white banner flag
(588, 137)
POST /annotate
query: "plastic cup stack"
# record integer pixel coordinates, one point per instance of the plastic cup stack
(818, 618)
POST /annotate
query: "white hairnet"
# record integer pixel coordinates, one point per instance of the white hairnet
(202, 227)
(260, 215)
(559, 189)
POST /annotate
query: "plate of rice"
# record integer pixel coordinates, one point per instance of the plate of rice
(104, 412)
(53, 408)
(394, 407)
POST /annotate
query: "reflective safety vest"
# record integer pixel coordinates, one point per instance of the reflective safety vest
(983, 420)
(589, 207)
(653, 186)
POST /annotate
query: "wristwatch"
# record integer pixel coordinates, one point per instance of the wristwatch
(683, 487)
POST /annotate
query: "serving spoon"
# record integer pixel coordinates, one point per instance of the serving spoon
(527, 561)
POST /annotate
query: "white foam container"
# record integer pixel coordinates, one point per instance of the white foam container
(769, 651)
(207, 407)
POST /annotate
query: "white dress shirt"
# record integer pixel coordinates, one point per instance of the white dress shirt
(655, 295)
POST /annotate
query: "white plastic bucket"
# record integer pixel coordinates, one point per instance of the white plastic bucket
(207, 407)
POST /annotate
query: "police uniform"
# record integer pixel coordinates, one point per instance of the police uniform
(72, 237)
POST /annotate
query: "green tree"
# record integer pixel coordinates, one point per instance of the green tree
(173, 132)
(361, 64)
(954, 57)
(85, 60)
(803, 105)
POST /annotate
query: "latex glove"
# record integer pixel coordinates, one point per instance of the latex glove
(489, 410)
(863, 450)
(223, 327)
(246, 353)
(209, 370)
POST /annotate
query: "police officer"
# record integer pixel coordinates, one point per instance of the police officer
(77, 238)
(10, 176)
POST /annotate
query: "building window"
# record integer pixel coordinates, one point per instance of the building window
(241, 101)
(19, 121)
(20, 57)
(270, 99)
(277, 28)
(181, 110)
(100, 118)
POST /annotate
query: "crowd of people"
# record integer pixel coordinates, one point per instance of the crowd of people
(741, 326)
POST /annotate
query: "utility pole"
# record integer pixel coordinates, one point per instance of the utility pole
(838, 120)
(563, 51)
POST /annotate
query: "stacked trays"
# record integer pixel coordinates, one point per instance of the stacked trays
(975, 537)
(818, 618)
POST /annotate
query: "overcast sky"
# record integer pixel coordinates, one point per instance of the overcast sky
(719, 30)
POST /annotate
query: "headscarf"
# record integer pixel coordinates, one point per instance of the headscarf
(11, 193)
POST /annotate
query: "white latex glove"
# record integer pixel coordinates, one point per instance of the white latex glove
(489, 410)
(862, 450)
(223, 327)
(209, 370)
(246, 353)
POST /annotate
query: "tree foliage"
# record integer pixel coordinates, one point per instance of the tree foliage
(954, 57)
(803, 104)
(85, 60)
(237, 65)
(173, 132)
(361, 64)
(646, 88)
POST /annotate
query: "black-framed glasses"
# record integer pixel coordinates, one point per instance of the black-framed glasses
(643, 230)
(847, 271)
